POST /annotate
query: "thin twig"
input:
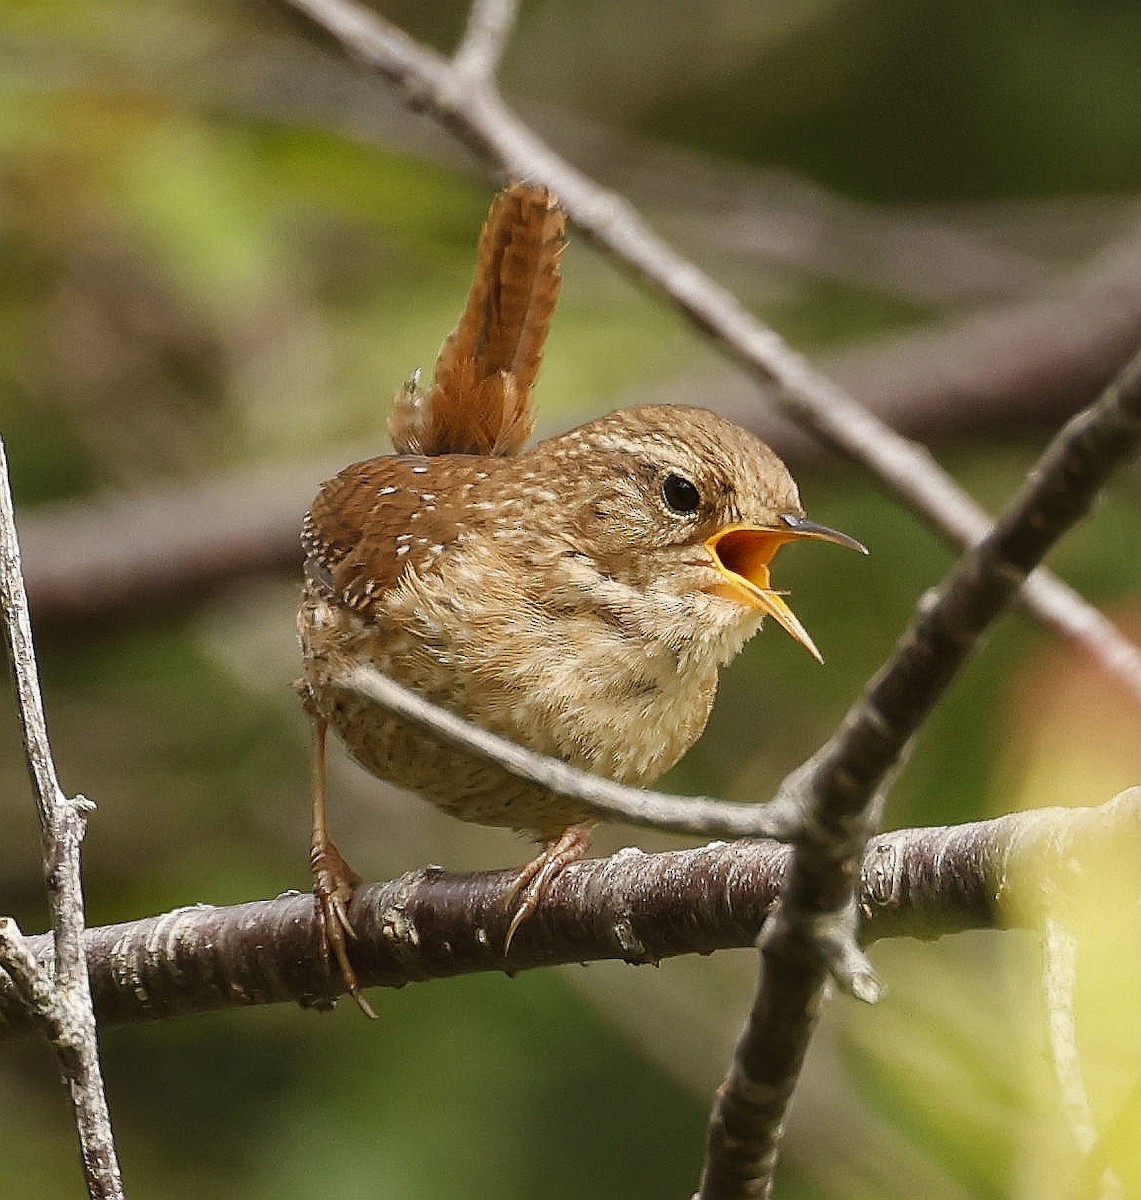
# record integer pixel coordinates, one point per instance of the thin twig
(841, 785)
(636, 907)
(480, 118)
(701, 816)
(485, 39)
(32, 985)
(70, 1016)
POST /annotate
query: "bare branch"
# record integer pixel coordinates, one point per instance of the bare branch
(66, 995)
(31, 983)
(485, 40)
(1026, 363)
(854, 763)
(481, 119)
(841, 786)
(636, 907)
(105, 557)
(699, 815)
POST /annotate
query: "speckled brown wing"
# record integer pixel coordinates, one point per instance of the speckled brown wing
(363, 529)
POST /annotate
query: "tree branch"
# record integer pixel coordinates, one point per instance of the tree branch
(640, 908)
(61, 1001)
(480, 118)
(1024, 364)
(606, 799)
(841, 787)
(488, 29)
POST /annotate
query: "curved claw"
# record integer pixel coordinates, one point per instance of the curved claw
(334, 882)
(533, 880)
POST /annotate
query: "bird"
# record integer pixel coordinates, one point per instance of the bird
(578, 597)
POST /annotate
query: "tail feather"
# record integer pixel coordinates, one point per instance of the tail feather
(481, 401)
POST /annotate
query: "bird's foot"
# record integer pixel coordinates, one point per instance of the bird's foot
(529, 886)
(334, 882)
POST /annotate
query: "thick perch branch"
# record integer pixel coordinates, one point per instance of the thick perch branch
(839, 791)
(635, 907)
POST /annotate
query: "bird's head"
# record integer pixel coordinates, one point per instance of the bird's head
(678, 503)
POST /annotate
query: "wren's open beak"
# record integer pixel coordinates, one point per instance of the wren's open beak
(742, 554)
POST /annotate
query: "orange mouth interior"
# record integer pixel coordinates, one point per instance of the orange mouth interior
(742, 555)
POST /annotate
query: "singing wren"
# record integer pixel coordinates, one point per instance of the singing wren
(578, 597)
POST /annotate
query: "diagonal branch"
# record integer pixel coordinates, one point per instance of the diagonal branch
(840, 787)
(61, 999)
(479, 117)
(1029, 364)
(485, 39)
(606, 799)
(839, 790)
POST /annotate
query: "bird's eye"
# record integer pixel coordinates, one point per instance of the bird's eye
(680, 494)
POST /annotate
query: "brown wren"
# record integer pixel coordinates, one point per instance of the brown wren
(578, 597)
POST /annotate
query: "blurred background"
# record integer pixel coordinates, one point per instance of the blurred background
(222, 249)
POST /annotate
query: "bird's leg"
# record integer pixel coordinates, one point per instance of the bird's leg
(334, 881)
(530, 884)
